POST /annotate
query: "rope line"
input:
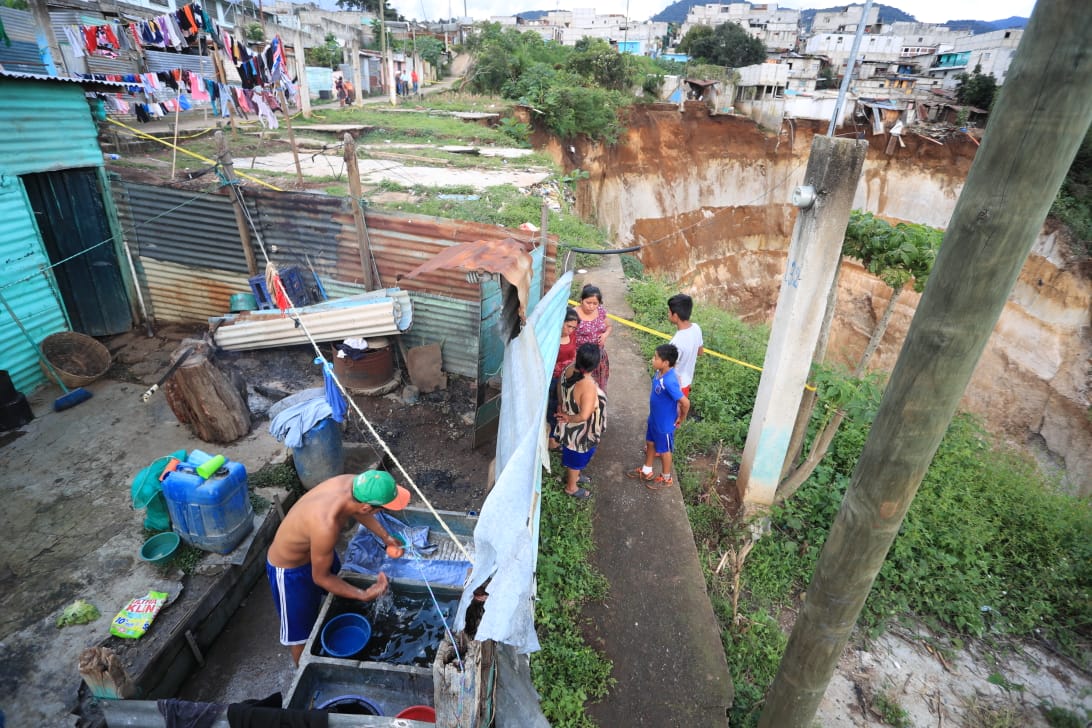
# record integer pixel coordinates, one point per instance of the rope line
(662, 335)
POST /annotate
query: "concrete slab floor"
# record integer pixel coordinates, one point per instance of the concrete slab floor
(70, 533)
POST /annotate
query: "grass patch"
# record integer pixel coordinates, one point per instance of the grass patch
(567, 673)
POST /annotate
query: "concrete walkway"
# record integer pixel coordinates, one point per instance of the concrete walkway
(657, 623)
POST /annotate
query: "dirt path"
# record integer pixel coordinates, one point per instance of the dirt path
(656, 624)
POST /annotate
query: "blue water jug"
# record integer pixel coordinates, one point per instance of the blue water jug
(321, 455)
(212, 514)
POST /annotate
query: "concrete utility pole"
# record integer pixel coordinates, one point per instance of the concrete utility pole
(834, 168)
(301, 74)
(1038, 122)
(358, 100)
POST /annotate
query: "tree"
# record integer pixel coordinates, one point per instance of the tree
(976, 89)
(826, 79)
(726, 45)
(601, 64)
(897, 255)
(327, 55)
(371, 6)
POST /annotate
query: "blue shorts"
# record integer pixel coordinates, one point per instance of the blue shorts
(297, 598)
(574, 460)
(661, 441)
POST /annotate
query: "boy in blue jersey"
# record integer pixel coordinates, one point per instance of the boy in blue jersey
(667, 408)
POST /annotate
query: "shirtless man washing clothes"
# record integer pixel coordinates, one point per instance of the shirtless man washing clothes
(302, 564)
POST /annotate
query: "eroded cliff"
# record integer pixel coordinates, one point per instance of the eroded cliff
(707, 199)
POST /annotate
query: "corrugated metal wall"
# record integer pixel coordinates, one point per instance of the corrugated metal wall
(33, 300)
(22, 53)
(195, 234)
(46, 126)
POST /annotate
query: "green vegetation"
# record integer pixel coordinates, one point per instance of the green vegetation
(576, 90)
(987, 547)
(1073, 205)
(566, 672)
(890, 711)
(728, 44)
(327, 55)
(976, 89)
(399, 125)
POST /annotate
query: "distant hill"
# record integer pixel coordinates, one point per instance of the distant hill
(988, 26)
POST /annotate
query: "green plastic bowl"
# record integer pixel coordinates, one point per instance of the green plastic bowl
(243, 302)
(159, 547)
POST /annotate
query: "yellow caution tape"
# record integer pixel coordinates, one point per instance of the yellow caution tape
(662, 335)
(145, 135)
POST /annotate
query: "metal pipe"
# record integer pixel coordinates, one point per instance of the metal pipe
(849, 68)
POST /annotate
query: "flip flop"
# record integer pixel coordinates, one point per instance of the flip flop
(580, 494)
(583, 480)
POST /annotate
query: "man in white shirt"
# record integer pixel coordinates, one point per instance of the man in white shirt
(687, 338)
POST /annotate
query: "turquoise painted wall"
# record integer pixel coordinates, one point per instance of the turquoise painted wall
(47, 127)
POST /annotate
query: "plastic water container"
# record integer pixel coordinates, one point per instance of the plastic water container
(213, 514)
(321, 455)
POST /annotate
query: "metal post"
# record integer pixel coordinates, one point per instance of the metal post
(849, 68)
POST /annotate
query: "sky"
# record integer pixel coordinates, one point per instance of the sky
(927, 11)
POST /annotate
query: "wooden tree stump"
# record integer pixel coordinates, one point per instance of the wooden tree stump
(207, 397)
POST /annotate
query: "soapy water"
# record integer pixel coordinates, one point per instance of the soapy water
(407, 629)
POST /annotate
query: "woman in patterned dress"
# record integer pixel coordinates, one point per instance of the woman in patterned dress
(593, 328)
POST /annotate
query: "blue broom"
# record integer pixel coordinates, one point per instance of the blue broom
(71, 397)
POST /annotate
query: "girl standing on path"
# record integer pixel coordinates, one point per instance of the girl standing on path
(566, 352)
(580, 418)
(593, 328)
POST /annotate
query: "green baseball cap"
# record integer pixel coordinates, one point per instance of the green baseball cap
(377, 488)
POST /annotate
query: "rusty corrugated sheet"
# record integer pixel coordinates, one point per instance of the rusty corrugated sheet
(509, 257)
(181, 293)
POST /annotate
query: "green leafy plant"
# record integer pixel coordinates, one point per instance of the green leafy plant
(566, 671)
(890, 712)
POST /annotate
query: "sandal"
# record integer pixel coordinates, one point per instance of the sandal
(580, 494)
(583, 480)
(638, 474)
(660, 483)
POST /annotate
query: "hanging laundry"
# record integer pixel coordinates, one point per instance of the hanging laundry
(334, 397)
(197, 87)
(265, 113)
(4, 34)
(243, 101)
(75, 40)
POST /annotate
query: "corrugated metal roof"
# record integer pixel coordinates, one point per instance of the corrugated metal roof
(378, 313)
(42, 76)
(119, 66)
(47, 126)
(21, 53)
(164, 61)
(33, 300)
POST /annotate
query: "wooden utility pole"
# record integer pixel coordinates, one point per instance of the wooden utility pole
(1040, 118)
(223, 157)
(834, 169)
(291, 137)
(362, 238)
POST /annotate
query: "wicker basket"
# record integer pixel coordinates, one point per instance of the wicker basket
(77, 358)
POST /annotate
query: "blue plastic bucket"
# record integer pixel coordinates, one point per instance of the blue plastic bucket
(350, 705)
(321, 456)
(346, 634)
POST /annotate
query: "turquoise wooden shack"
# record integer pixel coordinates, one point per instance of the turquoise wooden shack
(60, 250)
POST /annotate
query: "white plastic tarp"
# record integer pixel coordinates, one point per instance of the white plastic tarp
(506, 536)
